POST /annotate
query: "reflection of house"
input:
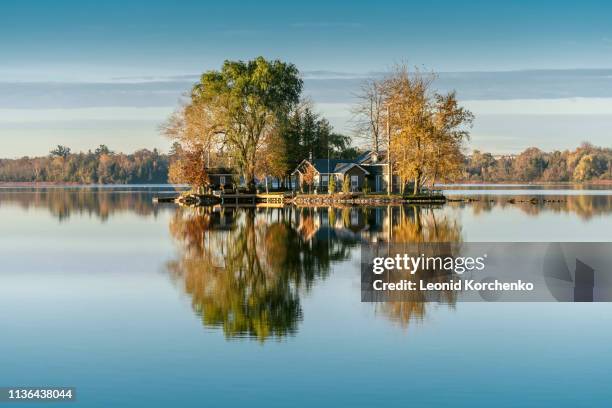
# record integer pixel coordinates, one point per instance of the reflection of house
(368, 169)
(220, 176)
(350, 224)
(222, 219)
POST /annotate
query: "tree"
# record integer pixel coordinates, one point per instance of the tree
(332, 184)
(60, 151)
(308, 176)
(245, 102)
(191, 128)
(369, 114)
(530, 164)
(346, 185)
(591, 166)
(480, 164)
(556, 168)
(102, 149)
(410, 123)
(305, 133)
(176, 149)
(273, 159)
(450, 123)
(427, 129)
(190, 169)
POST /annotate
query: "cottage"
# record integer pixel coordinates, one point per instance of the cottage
(366, 170)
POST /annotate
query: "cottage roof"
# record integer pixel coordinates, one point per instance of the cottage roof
(341, 166)
(329, 166)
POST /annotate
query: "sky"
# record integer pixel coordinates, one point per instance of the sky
(84, 73)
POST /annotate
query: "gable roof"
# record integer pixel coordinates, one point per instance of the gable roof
(324, 166)
(331, 165)
(344, 167)
(364, 161)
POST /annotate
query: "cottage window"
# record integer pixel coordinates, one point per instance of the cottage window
(222, 180)
(324, 180)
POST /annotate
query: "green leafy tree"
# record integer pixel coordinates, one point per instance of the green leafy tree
(305, 133)
(246, 102)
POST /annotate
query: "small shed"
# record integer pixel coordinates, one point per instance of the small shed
(221, 177)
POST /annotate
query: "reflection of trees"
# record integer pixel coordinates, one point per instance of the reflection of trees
(414, 226)
(244, 269)
(422, 224)
(584, 206)
(99, 202)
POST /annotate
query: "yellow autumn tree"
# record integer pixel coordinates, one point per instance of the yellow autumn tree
(427, 130)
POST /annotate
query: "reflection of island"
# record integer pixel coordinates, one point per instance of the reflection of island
(101, 202)
(244, 269)
(584, 206)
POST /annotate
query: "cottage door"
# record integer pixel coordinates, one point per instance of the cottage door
(354, 183)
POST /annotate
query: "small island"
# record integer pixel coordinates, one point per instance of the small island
(245, 130)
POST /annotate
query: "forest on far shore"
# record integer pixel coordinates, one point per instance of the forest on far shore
(103, 166)
(584, 164)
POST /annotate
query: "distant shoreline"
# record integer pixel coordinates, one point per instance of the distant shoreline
(528, 183)
(75, 184)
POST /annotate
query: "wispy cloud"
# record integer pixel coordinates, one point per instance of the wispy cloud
(532, 84)
(322, 86)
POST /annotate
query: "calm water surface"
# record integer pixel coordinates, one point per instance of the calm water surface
(137, 304)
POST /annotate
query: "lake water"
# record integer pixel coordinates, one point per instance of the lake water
(137, 304)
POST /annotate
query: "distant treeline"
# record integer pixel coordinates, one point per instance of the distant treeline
(586, 163)
(100, 166)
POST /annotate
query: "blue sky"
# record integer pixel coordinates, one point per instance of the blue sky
(83, 73)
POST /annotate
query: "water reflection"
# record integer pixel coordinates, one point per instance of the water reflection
(104, 201)
(245, 269)
(584, 206)
(418, 224)
(101, 202)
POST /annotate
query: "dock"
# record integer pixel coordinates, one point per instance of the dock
(272, 199)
